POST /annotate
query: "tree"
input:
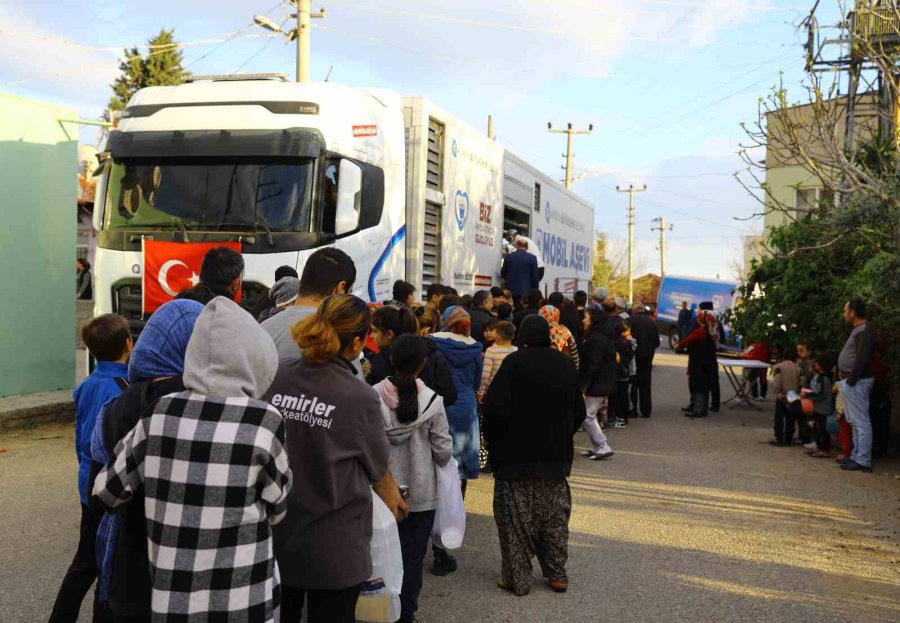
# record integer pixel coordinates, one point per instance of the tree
(604, 269)
(161, 66)
(848, 244)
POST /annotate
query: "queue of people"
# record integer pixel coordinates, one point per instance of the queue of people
(228, 460)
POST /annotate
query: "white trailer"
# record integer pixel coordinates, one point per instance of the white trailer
(405, 188)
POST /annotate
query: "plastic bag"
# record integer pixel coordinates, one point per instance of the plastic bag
(450, 518)
(379, 598)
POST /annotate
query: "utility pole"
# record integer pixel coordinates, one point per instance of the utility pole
(662, 242)
(569, 155)
(303, 37)
(631, 190)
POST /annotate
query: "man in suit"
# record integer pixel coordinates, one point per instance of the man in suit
(520, 270)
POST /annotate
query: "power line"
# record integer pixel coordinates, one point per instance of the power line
(84, 68)
(261, 49)
(441, 17)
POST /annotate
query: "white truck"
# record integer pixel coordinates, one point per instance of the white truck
(405, 188)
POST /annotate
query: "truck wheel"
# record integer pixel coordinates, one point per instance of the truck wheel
(673, 339)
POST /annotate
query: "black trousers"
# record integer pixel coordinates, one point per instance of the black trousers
(785, 417)
(337, 606)
(643, 384)
(415, 532)
(823, 437)
(80, 576)
(618, 403)
(804, 430)
(759, 383)
(715, 393)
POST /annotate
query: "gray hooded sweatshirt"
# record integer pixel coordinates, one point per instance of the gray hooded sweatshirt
(229, 354)
(416, 446)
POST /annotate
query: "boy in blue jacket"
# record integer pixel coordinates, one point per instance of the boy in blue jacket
(108, 339)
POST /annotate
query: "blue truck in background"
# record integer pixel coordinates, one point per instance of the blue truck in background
(675, 290)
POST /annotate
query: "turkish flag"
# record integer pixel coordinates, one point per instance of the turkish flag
(170, 267)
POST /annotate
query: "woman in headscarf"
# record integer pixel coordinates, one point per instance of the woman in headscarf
(531, 412)
(560, 337)
(464, 355)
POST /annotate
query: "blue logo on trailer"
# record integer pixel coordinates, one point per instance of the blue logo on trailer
(454, 148)
(547, 212)
(461, 209)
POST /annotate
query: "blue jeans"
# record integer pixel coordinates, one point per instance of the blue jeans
(856, 409)
(415, 532)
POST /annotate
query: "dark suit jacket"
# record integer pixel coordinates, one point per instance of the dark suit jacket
(520, 270)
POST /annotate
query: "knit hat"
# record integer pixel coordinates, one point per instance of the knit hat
(285, 291)
(457, 320)
(550, 313)
(706, 305)
(600, 294)
(621, 303)
(160, 348)
(534, 331)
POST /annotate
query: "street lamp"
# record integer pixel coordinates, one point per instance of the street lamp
(300, 34)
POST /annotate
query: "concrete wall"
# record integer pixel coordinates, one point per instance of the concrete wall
(37, 247)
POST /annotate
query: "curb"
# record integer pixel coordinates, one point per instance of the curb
(35, 409)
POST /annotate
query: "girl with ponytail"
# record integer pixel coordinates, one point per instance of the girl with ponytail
(338, 453)
(388, 324)
(419, 437)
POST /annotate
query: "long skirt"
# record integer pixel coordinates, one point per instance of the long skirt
(532, 519)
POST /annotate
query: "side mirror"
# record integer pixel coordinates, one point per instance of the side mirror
(349, 197)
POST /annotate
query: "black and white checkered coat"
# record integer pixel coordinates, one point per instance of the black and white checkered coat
(215, 476)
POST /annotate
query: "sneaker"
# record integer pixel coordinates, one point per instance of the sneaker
(853, 466)
(599, 457)
(618, 424)
(687, 409)
(810, 446)
(444, 563)
(759, 399)
(587, 453)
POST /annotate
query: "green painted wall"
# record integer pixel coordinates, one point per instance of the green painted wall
(38, 160)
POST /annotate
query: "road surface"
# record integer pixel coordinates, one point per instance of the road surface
(691, 520)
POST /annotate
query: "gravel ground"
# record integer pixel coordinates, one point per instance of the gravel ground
(692, 520)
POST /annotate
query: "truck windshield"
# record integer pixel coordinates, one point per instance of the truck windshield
(211, 195)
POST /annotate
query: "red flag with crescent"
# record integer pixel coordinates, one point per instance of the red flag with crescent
(170, 267)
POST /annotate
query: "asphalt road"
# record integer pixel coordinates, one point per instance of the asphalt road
(691, 520)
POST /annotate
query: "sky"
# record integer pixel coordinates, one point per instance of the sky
(665, 83)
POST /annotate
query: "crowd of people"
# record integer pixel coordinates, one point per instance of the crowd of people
(228, 459)
(826, 395)
(818, 395)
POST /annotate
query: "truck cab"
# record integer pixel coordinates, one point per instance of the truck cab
(282, 168)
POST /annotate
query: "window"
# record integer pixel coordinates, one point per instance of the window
(210, 194)
(807, 199)
(537, 197)
(329, 197)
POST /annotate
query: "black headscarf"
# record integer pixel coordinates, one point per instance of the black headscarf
(534, 331)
